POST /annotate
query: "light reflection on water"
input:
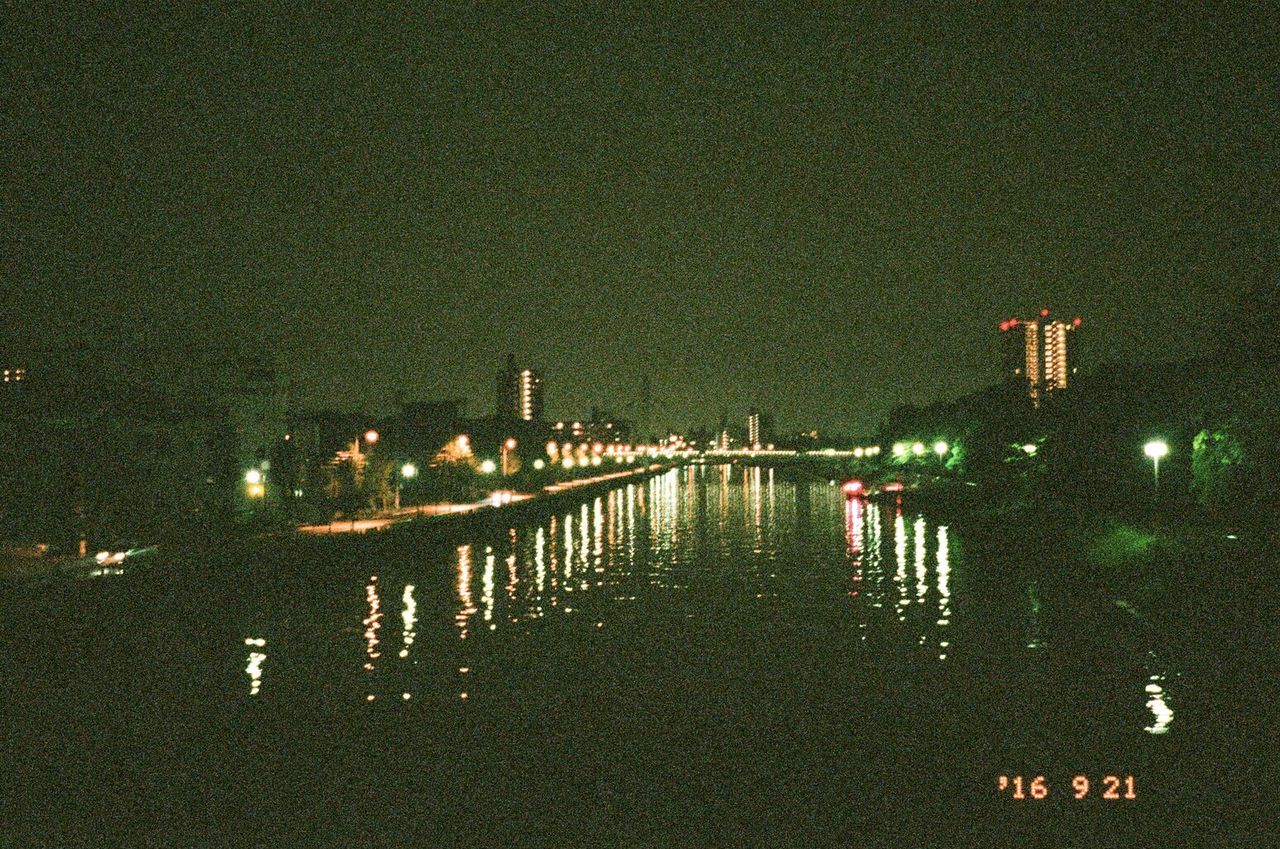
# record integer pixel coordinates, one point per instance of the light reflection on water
(692, 543)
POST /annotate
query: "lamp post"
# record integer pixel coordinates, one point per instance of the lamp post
(507, 447)
(407, 471)
(1155, 449)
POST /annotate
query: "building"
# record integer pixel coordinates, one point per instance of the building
(601, 427)
(1040, 353)
(519, 392)
(753, 429)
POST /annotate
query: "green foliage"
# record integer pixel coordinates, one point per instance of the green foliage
(1218, 465)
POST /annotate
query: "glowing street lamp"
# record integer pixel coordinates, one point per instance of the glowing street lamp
(1029, 449)
(917, 448)
(371, 436)
(255, 488)
(899, 449)
(507, 447)
(1155, 449)
(539, 464)
(940, 448)
(407, 471)
(488, 467)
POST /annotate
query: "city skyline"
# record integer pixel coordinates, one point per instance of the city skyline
(821, 211)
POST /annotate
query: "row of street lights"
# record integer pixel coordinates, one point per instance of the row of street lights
(901, 449)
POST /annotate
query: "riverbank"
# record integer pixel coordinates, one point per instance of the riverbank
(502, 506)
(1194, 585)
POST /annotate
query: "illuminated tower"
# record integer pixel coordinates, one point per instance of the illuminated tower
(753, 429)
(1037, 351)
(519, 392)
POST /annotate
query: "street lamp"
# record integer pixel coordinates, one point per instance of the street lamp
(917, 448)
(255, 486)
(407, 471)
(940, 447)
(1155, 449)
(488, 467)
(1029, 449)
(507, 448)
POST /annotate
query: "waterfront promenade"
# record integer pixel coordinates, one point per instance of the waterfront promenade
(496, 500)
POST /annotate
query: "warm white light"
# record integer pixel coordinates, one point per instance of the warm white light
(370, 436)
(408, 470)
(253, 476)
(539, 464)
(488, 467)
(940, 448)
(1156, 448)
(917, 448)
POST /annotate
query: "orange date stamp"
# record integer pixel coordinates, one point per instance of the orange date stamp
(1037, 787)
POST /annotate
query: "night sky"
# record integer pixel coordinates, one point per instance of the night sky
(822, 213)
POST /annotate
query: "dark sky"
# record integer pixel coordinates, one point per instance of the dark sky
(824, 213)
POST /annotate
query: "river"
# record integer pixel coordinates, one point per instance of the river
(715, 656)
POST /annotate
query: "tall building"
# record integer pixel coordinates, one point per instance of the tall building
(519, 392)
(753, 429)
(1038, 353)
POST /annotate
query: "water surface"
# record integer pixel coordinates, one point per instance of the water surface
(716, 656)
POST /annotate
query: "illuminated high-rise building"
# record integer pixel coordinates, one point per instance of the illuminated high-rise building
(753, 429)
(519, 392)
(1038, 353)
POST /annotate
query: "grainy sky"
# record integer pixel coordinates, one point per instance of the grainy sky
(822, 212)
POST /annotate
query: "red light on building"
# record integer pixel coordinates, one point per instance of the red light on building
(1075, 322)
(892, 486)
(1044, 312)
(1004, 325)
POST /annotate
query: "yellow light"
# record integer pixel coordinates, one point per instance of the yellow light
(917, 448)
(857, 452)
(253, 476)
(488, 467)
(510, 444)
(568, 462)
(539, 464)
(1156, 448)
(899, 449)
(552, 448)
(370, 436)
(940, 448)
(408, 470)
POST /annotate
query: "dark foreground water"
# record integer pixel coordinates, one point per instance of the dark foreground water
(716, 657)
